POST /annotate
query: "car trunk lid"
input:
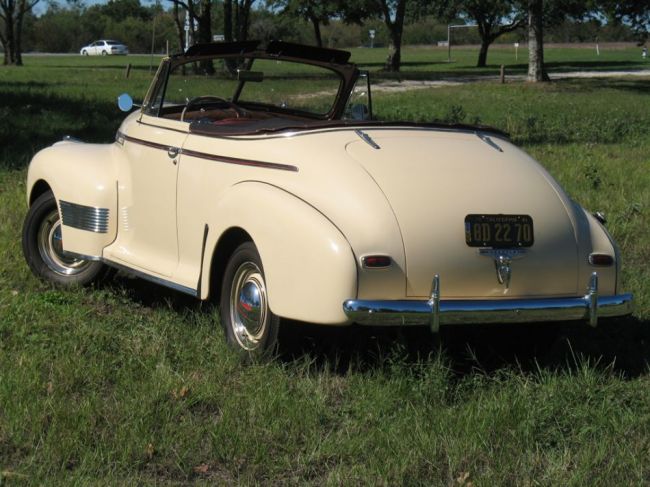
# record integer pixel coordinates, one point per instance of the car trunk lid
(434, 179)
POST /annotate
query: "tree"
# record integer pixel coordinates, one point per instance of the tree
(316, 12)
(393, 13)
(12, 14)
(493, 19)
(122, 9)
(635, 13)
(236, 19)
(200, 11)
(544, 13)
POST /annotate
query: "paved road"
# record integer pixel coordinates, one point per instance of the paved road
(407, 85)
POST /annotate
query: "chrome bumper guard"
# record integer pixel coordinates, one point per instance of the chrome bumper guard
(436, 312)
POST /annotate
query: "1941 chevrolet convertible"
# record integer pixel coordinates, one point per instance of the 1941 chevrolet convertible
(255, 176)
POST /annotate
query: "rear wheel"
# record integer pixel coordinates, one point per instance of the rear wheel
(248, 322)
(43, 247)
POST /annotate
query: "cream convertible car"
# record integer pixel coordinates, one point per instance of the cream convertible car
(255, 177)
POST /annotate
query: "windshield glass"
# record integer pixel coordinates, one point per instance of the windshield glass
(263, 84)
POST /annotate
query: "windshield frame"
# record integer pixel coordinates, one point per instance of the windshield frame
(347, 72)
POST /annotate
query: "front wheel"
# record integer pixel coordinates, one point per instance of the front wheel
(104, 53)
(248, 322)
(43, 248)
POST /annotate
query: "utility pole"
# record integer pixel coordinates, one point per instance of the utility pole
(153, 42)
(187, 30)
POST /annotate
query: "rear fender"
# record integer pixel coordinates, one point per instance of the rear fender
(309, 266)
(84, 182)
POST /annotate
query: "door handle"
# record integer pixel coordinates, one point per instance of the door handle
(172, 152)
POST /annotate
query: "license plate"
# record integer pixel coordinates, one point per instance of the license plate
(499, 230)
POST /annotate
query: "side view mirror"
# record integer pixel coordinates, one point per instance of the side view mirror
(125, 102)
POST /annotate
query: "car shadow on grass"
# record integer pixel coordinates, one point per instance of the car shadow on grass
(623, 345)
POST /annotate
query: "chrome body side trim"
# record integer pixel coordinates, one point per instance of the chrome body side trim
(238, 161)
(172, 152)
(89, 218)
(154, 279)
(436, 312)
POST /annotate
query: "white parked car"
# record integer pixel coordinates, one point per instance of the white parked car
(103, 48)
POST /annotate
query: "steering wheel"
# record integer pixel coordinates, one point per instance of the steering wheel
(238, 110)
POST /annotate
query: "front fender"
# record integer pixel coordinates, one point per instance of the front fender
(309, 266)
(83, 177)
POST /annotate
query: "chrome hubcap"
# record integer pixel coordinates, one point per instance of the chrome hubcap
(50, 246)
(248, 306)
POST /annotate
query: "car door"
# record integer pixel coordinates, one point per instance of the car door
(147, 238)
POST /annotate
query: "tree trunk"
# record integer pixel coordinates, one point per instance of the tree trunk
(394, 59)
(10, 41)
(482, 54)
(179, 28)
(536, 71)
(205, 33)
(229, 64)
(5, 60)
(18, 56)
(243, 18)
(227, 20)
(316, 23)
(237, 21)
(205, 22)
(13, 13)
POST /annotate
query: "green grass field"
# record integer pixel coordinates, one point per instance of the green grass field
(132, 384)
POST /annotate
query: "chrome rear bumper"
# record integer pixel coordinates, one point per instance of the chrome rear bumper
(436, 312)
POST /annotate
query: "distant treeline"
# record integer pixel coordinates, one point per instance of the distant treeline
(66, 28)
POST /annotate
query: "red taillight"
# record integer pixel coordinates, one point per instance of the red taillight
(376, 261)
(602, 260)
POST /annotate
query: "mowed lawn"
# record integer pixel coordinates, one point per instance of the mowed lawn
(132, 384)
